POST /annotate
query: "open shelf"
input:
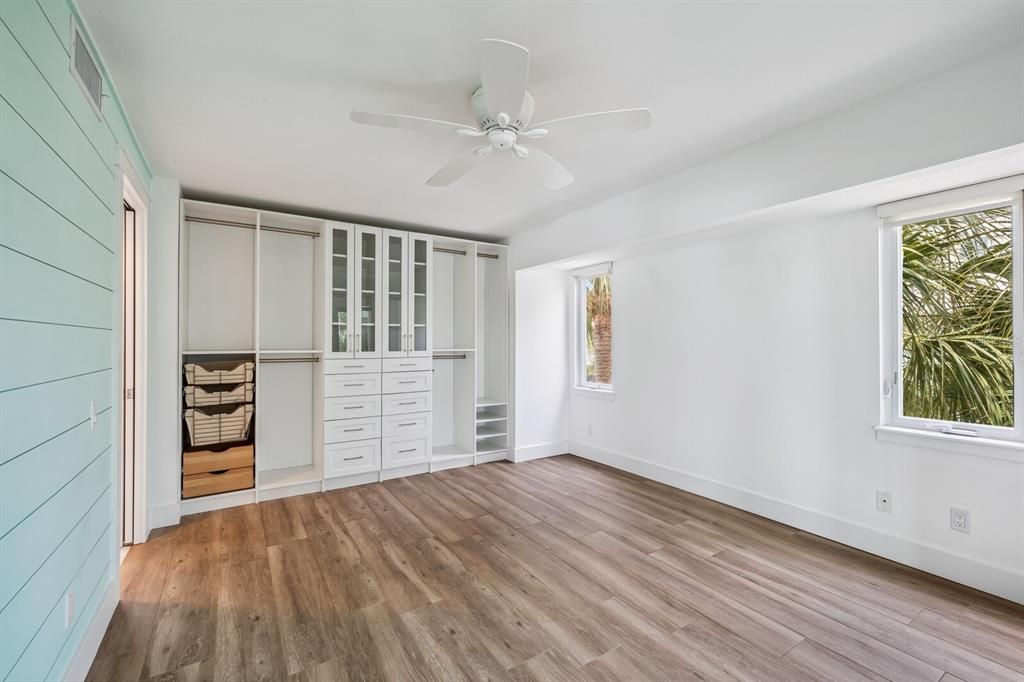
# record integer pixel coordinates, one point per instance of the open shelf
(275, 351)
(249, 351)
(450, 452)
(490, 402)
(491, 450)
(487, 418)
(491, 432)
(453, 350)
(280, 478)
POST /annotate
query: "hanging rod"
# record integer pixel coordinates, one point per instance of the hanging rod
(451, 357)
(456, 252)
(269, 360)
(268, 228)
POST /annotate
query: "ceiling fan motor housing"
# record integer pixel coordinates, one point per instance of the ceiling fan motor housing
(517, 120)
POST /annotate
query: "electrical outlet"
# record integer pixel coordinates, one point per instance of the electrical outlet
(883, 501)
(69, 609)
(960, 520)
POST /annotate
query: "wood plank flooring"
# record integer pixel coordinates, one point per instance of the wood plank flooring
(556, 569)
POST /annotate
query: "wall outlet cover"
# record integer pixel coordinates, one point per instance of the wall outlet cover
(883, 501)
(960, 520)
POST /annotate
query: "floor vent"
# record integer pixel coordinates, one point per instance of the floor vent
(86, 72)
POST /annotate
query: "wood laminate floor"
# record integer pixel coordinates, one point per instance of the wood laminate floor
(557, 569)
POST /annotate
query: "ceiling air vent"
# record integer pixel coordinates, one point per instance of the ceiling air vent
(86, 72)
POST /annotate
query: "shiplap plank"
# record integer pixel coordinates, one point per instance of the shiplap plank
(39, 169)
(38, 658)
(58, 14)
(47, 46)
(82, 622)
(41, 293)
(34, 353)
(25, 548)
(33, 415)
(50, 582)
(22, 489)
(39, 104)
(30, 226)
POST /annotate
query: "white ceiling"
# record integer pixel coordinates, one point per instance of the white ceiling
(251, 101)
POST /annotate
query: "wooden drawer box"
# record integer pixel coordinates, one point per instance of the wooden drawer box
(210, 483)
(203, 461)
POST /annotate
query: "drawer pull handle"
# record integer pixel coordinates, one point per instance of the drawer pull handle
(411, 402)
(411, 381)
(352, 366)
(353, 430)
(354, 407)
(402, 452)
(349, 459)
(353, 385)
(218, 472)
(407, 364)
(408, 424)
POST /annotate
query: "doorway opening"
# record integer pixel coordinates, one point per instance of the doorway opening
(128, 411)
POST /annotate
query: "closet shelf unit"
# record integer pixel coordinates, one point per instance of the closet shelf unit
(377, 353)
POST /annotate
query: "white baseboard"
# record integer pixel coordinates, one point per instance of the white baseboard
(528, 452)
(82, 660)
(987, 577)
(164, 515)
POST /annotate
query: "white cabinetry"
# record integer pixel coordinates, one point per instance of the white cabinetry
(407, 288)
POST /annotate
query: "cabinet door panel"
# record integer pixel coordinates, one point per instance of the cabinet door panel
(395, 287)
(367, 294)
(419, 342)
(340, 273)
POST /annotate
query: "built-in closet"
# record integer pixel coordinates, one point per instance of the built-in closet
(350, 353)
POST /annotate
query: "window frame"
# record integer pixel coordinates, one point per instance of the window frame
(1008, 192)
(580, 333)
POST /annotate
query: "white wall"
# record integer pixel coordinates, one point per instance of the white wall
(746, 369)
(543, 312)
(163, 398)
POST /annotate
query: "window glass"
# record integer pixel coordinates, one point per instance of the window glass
(596, 335)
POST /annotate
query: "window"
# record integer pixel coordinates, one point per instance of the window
(953, 295)
(594, 327)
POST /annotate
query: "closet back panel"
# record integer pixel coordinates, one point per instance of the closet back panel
(287, 273)
(442, 428)
(220, 287)
(492, 328)
(284, 415)
(453, 299)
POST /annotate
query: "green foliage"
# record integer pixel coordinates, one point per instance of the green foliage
(958, 318)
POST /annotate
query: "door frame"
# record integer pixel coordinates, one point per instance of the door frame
(133, 192)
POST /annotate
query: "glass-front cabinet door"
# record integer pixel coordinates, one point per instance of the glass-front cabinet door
(339, 298)
(366, 291)
(421, 258)
(395, 282)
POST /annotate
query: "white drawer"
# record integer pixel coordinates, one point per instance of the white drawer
(403, 382)
(344, 430)
(338, 385)
(350, 408)
(397, 452)
(404, 403)
(405, 424)
(408, 364)
(352, 366)
(344, 459)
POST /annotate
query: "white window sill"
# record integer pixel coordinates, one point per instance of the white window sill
(982, 447)
(603, 393)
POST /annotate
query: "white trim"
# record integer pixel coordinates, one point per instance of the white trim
(90, 641)
(221, 501)
(593, 392)
(133, 191)
(528, 452)
(1002, 581)
(982, 447)
(164, 515)
(916, 208)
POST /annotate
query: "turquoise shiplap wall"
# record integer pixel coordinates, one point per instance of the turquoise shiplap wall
(59, 253)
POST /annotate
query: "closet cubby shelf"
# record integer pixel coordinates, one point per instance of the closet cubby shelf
(490, 402)
(247, 351)
(490, 451)
(451, 452)
(489, 418)
(490, 432)
(274, 351)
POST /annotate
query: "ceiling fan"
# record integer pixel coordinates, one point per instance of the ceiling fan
(503, 108)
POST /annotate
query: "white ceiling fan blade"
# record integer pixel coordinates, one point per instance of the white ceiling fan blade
(625, 120)
(504, 70)
(553, 175)
(455, 169)
(408, 122)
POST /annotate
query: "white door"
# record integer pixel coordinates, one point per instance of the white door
(367, 293)
(340, 295)
(419, 334)
(396, 311)
(128, 382)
